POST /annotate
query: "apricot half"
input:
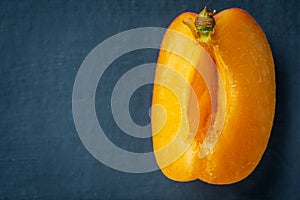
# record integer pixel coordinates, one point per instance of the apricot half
(185, 146)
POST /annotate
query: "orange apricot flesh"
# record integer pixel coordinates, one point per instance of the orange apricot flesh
(244, 62)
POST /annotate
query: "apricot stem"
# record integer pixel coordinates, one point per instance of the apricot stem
(205, 21)
(203, 26)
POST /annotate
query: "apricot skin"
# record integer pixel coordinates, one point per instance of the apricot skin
(244, 59)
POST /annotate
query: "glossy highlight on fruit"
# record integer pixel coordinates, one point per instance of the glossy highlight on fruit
(182, 109)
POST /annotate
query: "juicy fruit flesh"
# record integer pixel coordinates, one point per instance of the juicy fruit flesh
(172, 108)
(203, 100)
(245, 62)
(182, 108)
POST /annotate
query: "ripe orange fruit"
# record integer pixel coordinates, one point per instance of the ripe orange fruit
(190, 139)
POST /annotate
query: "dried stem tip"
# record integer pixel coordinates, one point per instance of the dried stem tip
(205, 22)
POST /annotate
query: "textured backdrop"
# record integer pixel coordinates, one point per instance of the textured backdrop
(43, 43)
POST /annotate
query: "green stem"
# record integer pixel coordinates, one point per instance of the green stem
(203, 25)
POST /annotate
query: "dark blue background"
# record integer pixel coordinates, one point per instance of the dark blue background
(43, 43)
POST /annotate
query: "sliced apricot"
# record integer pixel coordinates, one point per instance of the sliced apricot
(230, 151)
